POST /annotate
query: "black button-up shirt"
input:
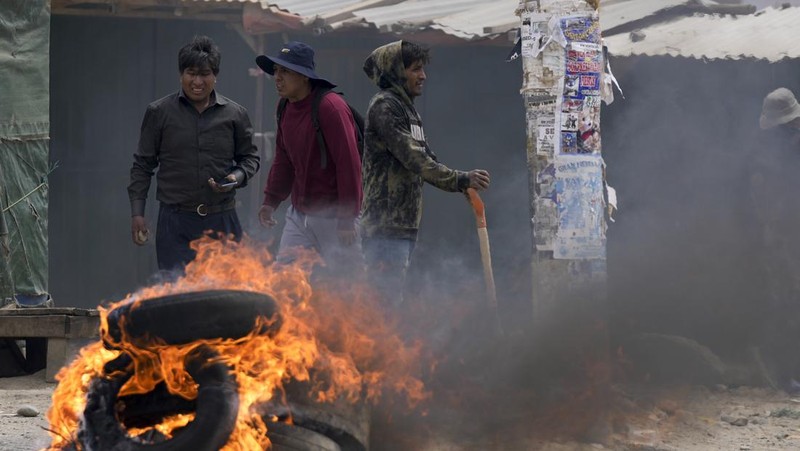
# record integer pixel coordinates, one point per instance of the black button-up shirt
(190, 147)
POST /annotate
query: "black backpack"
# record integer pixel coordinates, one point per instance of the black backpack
(318, 95)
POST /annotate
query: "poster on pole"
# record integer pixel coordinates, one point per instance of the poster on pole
(579, 191)
(545, 224)
(545, 221)
(579, 124)
(533, 34)
(545, 136)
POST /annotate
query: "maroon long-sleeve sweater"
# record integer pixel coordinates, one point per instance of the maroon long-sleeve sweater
(297, 168)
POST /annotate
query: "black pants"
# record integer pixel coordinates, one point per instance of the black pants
(176, 229)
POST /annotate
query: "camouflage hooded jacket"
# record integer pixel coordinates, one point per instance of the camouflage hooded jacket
(397, 160)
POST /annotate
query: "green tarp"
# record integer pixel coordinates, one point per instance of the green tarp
(24, 145)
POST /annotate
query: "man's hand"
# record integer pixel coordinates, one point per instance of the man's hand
(478, 179)
(223, 189)
(265, 216)
(139, 231)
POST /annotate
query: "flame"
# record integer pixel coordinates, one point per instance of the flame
(333, 336)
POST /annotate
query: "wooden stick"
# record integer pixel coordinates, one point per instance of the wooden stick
(486, 253)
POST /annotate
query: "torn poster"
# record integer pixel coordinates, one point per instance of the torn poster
(589, 130)
(569, 121)
(581, 28)
(611, 194)
(533, 33)
(569, 143)
(545, 135)
(579, 191)
(546, 183)
(538, 99)
(545, 224)
(580, 126)
(584, 58)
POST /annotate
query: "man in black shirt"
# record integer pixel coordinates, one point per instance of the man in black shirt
(202, 144)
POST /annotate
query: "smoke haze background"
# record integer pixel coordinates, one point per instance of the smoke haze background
(683, 255)
(677, 148)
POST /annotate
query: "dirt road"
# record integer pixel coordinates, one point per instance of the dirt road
(686, 419)
(24, 433)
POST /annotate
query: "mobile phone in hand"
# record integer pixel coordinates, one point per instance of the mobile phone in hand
(225, 183)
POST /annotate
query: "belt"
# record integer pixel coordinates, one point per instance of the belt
(205, 210)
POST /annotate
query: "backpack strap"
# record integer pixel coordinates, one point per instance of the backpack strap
(279, 114)
(281, 108)
(319, 94)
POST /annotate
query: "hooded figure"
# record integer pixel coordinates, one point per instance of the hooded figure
(397, 159)
(397, 162)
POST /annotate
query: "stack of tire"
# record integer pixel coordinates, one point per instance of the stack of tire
(331, 426)
(176, 319)
(181, 319)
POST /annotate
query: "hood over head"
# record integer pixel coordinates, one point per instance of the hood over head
(384, 66)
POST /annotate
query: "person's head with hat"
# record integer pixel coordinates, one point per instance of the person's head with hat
(293, 71)
(780, 108)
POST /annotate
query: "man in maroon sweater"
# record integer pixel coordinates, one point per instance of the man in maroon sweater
(325, 188)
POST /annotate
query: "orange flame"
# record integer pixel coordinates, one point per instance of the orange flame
(334, 336)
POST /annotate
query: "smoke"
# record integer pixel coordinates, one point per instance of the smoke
(684, 252)
(685, 257)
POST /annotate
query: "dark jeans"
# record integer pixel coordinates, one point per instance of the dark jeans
(176, 229)
(387, 262)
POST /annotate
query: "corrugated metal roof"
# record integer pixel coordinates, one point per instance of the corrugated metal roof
(770, 35)
(309, 8)
(479, 19)
(414, 11)
(615, 13)
(475, 23)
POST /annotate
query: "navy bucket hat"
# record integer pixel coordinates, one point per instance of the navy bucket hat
(296, 56)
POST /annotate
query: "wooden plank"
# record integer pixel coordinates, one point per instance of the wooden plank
(33, 326)
(39, 311)
(83, 326)
(49, 326)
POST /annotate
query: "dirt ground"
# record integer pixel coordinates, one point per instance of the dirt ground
(19, 433)
(686, 419)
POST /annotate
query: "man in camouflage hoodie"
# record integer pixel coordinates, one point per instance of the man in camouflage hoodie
(397, 162)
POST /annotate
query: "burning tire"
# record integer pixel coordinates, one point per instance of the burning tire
(285, 437)
(216, 408)
(174, 320)
(343, 422)
(203, 314)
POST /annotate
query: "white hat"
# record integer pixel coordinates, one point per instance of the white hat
(780, 106)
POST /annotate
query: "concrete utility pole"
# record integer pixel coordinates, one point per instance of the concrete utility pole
(563, 78)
